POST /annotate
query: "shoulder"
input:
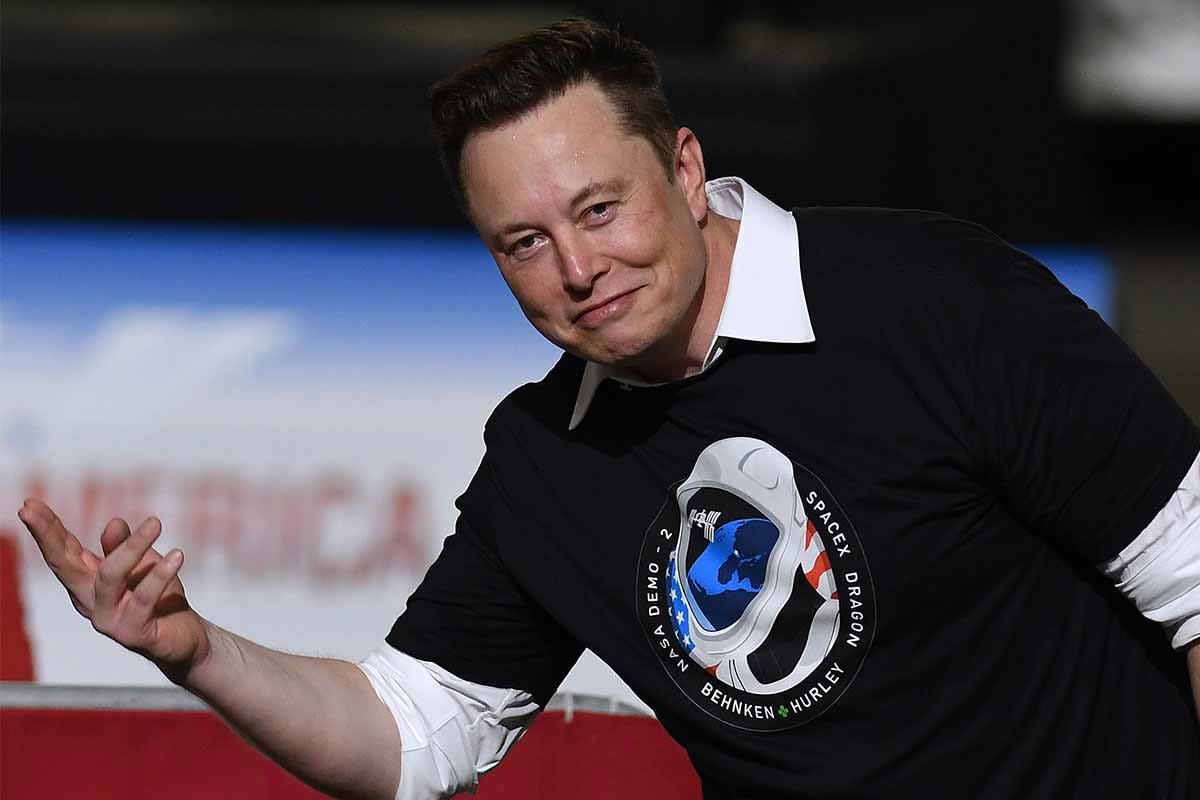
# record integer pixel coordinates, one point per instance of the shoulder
(884, 260)
(910, 226)
(907, 240)
(539, 408)
(519, 434)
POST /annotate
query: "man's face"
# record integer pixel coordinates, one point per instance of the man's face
(603, 253)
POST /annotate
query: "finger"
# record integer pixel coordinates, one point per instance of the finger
(47, 529)
(112, 577)
(60, 549)
(115, 532)
(73, 565)
(143, 567)
(147, 593)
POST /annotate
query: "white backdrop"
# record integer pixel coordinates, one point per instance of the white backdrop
(300, 408)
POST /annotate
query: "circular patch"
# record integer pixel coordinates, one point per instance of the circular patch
(753, 589)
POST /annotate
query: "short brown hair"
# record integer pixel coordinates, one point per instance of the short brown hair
(518, 76)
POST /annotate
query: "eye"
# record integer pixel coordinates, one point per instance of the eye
(599, 212)
(525, 246)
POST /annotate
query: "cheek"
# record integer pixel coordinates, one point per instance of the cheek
(534, 293)
(687, 260)
(640, 238)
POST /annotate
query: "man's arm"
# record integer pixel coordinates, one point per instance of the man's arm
(319, 718)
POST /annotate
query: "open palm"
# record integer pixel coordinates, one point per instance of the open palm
(132, 594)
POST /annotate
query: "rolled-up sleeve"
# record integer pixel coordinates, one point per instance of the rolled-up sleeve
(1160, 569)
(451, 730)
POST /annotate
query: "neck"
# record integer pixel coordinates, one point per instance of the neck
(685, 354)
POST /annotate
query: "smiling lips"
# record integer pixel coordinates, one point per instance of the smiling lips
(603, 310)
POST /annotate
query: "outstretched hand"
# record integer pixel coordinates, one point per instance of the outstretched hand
(132, 594)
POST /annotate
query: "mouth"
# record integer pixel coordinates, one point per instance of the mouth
(604, 309)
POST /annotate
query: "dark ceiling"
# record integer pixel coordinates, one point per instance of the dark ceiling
(317, 112)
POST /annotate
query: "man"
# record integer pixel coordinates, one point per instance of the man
(824, 487)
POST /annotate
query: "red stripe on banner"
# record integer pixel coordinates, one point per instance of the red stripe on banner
(16, 655)
(809, 533)
(133, 755)
(192, 755)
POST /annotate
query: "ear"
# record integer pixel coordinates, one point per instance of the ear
(689, 172)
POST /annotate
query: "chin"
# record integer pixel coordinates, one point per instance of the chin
(621, 344)
(629, 357)
(606, 356)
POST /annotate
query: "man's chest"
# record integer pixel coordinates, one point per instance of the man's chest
(746, 542)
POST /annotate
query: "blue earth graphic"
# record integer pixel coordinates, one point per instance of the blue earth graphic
(730, 572)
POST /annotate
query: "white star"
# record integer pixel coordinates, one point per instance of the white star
(679, 616)
(687, 640)
(674, 596)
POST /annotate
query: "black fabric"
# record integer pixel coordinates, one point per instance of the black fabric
(983, 439)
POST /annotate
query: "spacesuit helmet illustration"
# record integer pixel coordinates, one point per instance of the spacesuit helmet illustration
(753, 599)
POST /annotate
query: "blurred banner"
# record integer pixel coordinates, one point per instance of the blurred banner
(299, 407)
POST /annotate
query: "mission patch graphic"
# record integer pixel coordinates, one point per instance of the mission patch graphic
(753, 589)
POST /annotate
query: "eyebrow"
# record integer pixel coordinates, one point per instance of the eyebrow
(592, 189)
(595, 187)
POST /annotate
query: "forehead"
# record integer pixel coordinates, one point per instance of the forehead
(537, 162)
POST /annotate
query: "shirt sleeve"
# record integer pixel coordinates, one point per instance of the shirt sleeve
(451, 730)
(1160, 569)
(1082, 441)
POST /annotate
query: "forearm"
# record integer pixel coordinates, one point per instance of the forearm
(318, 718)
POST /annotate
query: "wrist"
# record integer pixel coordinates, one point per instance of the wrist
(189, 673)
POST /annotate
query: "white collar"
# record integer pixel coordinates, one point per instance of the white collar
(764, 301)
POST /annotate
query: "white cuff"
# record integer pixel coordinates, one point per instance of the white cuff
(1160, 569)
(451, 730)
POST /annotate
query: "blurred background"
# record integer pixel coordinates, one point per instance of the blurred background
(235, 292)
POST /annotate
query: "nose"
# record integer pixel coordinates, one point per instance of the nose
(580, 264)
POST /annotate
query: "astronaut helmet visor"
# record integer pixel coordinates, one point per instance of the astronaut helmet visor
(729, 546)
